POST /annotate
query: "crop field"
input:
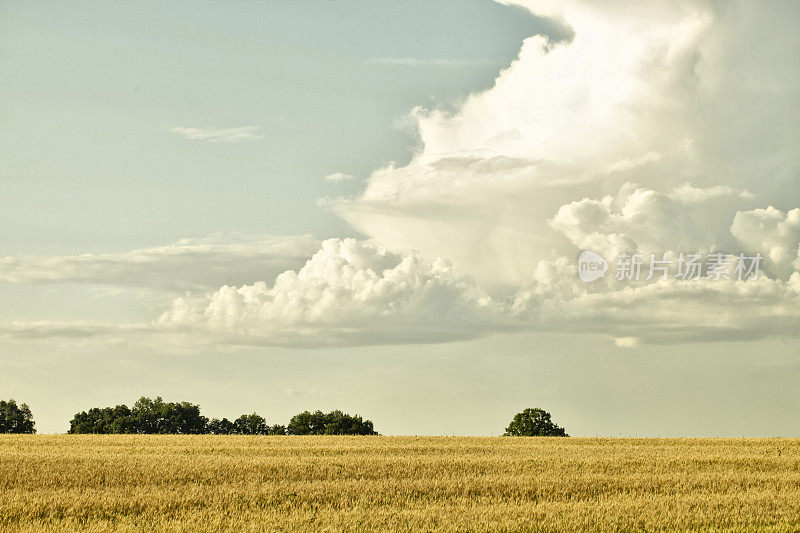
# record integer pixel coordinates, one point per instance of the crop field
(165, 483)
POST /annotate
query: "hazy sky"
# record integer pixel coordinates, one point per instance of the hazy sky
(378, 207)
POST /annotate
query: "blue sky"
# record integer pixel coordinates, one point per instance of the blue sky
(91, 90)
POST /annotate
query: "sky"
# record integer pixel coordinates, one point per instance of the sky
(379, 207)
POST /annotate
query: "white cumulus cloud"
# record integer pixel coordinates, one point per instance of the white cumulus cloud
(641, 94)
(773, 233)
(348, 292)
(229, 135)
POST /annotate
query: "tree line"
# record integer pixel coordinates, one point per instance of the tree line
(148, 416)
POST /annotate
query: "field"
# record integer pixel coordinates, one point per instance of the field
(159, 483)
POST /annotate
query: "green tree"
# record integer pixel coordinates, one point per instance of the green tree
(158, 416)
(333, 423)
(306, 423)
(252, 424)
(146, 416)
(221, 427)
(534, 423)
(339, 423)
(103, 420)
(277, 430)
(15, 418)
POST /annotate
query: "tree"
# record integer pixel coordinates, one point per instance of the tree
(155, 416)
(160, 417)
(339, 423)
(253, 424)
(306, 423)
(534, 423)
(16, 418)
(103, 420)
(333, 423)
(277, 430)
(220, 427)
(146, 416)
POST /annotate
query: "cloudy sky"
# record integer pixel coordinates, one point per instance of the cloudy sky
(379, 207)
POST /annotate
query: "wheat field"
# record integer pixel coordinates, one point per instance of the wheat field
(237, 483)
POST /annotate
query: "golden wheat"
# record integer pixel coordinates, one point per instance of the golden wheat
(165, 483)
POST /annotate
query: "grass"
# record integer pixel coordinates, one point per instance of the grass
(165, 483)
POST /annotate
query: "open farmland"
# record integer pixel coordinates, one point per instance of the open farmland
(68, 482)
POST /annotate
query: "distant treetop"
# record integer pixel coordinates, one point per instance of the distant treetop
(146, 416)
(160, 417)
(534, 423)
(333, 423)
(15, 418)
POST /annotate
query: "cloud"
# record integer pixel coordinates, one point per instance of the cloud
(189, 264)
(773, 233)
(626, 342)
(638, 219)
(349, 292)
(75, 330)
(338, 176)
(630, 137)
(660, 127)
(357, 293)
(420, 62)
(688, 194)
(244, 133)
(352, 293)
(639, 95)
(562, 121)
(660, 311)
